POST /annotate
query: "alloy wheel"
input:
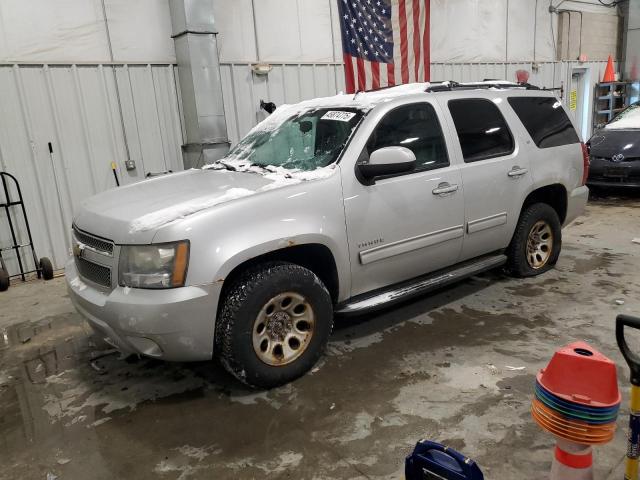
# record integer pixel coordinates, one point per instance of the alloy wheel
(283, 329)
(539, 244)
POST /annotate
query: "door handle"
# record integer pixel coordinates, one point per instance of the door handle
(517, 171)
(444, 188)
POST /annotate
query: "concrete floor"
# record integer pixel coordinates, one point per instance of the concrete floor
(447, 367)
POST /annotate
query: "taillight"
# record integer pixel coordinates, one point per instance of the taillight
(585, 163)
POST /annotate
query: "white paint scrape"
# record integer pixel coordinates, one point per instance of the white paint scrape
(77, 284)
(164, 216)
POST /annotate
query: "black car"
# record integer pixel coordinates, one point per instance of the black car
(615, 151)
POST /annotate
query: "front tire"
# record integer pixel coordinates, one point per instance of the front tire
(536, 243)
(274, 324)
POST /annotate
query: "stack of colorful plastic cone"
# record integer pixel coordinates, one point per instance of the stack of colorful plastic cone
(577, 400)
(576, 396)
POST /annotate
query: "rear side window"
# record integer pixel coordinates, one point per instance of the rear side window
(545, 120)
(481, 128)
(417, 128)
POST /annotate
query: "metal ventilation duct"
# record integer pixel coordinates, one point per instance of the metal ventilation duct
(194, 35)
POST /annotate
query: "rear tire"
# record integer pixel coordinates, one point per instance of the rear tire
(47, 268)
(4, 280)
(274, 324)
(536, 243)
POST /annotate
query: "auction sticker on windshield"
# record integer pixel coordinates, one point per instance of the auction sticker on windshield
(338, 115)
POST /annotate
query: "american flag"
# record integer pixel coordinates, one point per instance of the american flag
(384, 42)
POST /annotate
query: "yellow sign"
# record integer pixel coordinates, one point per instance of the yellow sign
(573, 99)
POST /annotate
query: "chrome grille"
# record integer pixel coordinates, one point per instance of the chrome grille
(93, 272)
(96, 243)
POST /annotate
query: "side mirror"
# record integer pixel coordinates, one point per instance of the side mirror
(387, 161)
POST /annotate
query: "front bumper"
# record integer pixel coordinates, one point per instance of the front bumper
(576, 202)
(174, 324)
(603, 172)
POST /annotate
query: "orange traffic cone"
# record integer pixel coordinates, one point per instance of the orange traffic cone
(609, 75)
(572, 461)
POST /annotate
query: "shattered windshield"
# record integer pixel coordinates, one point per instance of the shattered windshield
(305, 141)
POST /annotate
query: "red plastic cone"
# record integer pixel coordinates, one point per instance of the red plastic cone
(609, 75)
(579, 374)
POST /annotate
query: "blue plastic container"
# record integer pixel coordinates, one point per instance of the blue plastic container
(434, 461)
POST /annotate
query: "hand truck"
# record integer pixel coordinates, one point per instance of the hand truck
(43, 267)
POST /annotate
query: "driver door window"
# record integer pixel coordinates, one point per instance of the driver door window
(417, 128)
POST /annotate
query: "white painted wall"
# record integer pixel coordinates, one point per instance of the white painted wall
(74, 31)
(461, 30)
(285, 30)
(490, 31)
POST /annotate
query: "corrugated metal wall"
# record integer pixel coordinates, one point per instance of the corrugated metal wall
(75, 108)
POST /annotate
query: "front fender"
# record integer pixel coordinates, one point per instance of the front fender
(342, 264)
(232, 233)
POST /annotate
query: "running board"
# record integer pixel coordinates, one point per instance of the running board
(421, 285)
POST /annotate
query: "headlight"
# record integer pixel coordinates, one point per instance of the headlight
(153, 266)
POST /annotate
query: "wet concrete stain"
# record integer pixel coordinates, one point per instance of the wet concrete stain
(457, 366)
(526, 290)
(596, 261)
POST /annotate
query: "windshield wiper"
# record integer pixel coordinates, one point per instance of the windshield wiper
(260, 166)
(270, 169)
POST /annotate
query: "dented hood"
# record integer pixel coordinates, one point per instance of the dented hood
(132, 214)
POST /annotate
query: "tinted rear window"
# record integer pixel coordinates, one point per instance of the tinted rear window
(545, 120)
(481, 128)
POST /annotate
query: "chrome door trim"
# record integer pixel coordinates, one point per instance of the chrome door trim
(487, 222)
(409, 244)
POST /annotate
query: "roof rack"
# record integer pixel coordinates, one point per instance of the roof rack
(450, 85)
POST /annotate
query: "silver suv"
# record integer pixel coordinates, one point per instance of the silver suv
(336, 205)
